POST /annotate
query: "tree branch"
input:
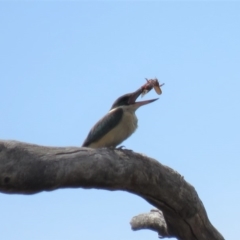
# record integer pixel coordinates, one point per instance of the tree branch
(27, 169)
(154, 221)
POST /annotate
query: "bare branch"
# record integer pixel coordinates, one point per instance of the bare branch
(154, 221)
(28, 169)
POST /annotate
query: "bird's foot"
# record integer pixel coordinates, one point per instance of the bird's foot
(123, 148)
(117, 148)
(120, 147)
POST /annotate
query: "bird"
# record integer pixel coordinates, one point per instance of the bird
(118, 124)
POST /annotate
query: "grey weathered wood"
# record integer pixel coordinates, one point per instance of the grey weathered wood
(154, 221)
(27, 169)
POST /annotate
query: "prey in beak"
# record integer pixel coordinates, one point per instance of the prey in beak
(133, 97)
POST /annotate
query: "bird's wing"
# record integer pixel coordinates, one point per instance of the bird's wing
(103, 126)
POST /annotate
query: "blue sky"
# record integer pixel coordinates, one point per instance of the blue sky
(63, 64)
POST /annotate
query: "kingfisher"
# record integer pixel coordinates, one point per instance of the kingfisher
(118, 124)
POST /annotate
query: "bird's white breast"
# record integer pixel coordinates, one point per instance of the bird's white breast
(118, 134)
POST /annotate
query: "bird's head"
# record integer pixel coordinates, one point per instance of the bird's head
(129, 99)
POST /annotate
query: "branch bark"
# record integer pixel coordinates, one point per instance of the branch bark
(27, 169)
(154, 221)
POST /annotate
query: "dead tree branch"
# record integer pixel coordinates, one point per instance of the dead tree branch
(154, 221)
(27, 169)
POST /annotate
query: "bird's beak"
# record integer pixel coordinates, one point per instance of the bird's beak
(133, 98)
